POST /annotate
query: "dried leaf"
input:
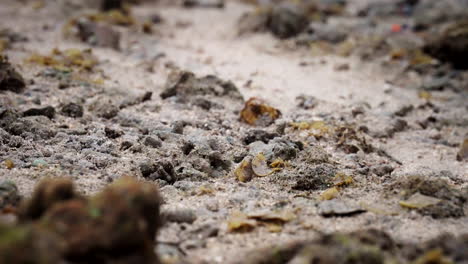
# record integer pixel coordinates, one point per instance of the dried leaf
(260, 166)
(67, 59)
(342, 180)
(244, 172)
(433, 256)
(257, 112)
(425, 95)
(418, 201)
(281, 216)
(239, 222)
(9, 164)
(329, 194)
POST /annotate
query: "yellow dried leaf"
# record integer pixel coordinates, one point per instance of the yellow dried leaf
(342, 180)
(244, 172)
(205, 190)
(274, 227)
(239, 222)
(260, 166)
(329, 194)
(9, 164)
(257, 112)
(433, 256)
(418, 201)
(425, 95)
(282, 216)
(420, 58)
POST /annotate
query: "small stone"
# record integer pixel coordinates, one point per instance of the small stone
(179, 216)
(9, 195)
(113, 133)
(153, 142)
(338, 208)
(47, 111)
(39, 163)
(72, 110)
(10, 79)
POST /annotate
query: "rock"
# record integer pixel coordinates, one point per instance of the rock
(107, 110)
(285, 22)
(258, 135)
(47, 111)
(204, 3)
(113, 133)
(306, 102)
(185, 86)
(314, 178)
(338, 208)
(450, 45)
(9, 196)
(162, 170)
(72, 110)
(107, 5)
(179, 216)
(97, 34)
(382, 170)
(451, 203)
(430, 13)
(10, 79)
(152, 142)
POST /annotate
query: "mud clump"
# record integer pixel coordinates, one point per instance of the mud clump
(10, 79)
(47, 111)
(48, 193)
(315, 178)
(120, 223)
(358, 247)
(9, 196)
(286, 22)
(72, 110)
(187, 88)
(450, 45)
(451, 202)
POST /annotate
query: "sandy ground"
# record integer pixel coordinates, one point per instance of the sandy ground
(205, 41)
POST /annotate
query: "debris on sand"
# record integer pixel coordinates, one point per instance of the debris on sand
(283, 21)
(59, 225)
(185, 87)
(337, 207)
(10, 79)
(257, 112)
(450, 45)
(204, 3)
(272, 219)
(434, 197)
(66, 60)
(9, 196)
(463, 152)
(97, 34)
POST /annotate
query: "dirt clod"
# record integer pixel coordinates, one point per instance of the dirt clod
(10, 79)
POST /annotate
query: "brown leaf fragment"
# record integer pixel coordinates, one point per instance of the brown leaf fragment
(257, 113)
(239, 222)
(418, 201)
(260, 166)
(244, 172)
(463, 153)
